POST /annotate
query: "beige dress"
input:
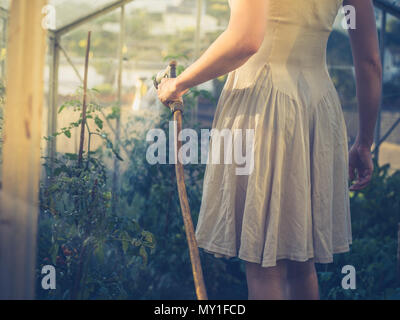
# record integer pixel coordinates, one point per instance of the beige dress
(295, 203)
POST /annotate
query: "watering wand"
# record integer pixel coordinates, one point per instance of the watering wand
(177, 110)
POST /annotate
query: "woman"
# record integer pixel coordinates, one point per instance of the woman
(292, 210)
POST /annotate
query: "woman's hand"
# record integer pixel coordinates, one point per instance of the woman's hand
(360, 162)
(168, 91)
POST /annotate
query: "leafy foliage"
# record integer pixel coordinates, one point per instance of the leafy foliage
(95, 250)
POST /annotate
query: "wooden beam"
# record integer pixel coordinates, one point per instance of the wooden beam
(106, 9)
(21, 149)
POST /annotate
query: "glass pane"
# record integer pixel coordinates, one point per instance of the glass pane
(68, 11)
(4, 4)
(390, 148)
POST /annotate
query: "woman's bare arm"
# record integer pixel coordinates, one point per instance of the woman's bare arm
(366, 57)
(365, 47)
(242, 38)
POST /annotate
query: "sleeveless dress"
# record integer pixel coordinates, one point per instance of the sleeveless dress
(295, 202)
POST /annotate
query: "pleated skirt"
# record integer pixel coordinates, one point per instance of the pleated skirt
(294, 203)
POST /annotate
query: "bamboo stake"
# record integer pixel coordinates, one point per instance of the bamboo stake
(84, 106)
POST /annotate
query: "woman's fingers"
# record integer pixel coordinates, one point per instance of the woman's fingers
(362, 181)
(167, 92)
(161, 93)
(360, 184)
(360, 167)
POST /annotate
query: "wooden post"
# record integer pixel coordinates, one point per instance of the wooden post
(21, 149)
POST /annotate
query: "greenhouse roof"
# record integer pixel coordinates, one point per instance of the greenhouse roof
(70, 11)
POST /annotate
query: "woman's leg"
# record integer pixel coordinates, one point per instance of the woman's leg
(302, 280)
(267, 283)
(287, 280)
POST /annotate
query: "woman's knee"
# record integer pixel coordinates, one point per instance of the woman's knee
(300, 269)
(257, 272)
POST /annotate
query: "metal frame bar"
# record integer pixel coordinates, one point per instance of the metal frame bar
(4, 17)
(106, 9)
(387, 134)
(66, 56)
(80, 21)
(197, 38)
(388, 7)
(3, 13)
(382, 52)
(53, 98)
(3, 63)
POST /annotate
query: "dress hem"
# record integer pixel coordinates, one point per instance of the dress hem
(220, 252)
